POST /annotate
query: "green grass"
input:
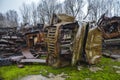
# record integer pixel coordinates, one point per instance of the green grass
(108, 72)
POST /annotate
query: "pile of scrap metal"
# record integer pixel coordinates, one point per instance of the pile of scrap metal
(60, 37)
(35, 46)
(9, 41)
(19, 47)
(68, 43)
(110, 28)
(9, 44)
(64, 43)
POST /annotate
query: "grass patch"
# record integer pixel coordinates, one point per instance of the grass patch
(108, 72)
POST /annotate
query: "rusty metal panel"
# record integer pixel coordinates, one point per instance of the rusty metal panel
(94, 46)
(33, 60)
(26, 52)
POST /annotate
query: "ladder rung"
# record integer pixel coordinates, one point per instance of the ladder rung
(50, 47)
(51, 37)
(52, 51)
(53, 29)
(51, 44)
(51, 41)
(51, 32)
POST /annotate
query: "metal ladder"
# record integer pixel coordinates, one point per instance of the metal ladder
(52, 40)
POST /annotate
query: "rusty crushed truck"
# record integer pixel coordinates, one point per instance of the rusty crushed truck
(63, 42)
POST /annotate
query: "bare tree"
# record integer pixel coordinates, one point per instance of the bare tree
(34, 13)
(117, 10)
(11, 18)
(93, 7)
(25, 12)
(97, 7)
(46, 8)
(2, 18)
(73, 7)
(41, 14)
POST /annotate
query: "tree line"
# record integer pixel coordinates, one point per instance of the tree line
(42, 12)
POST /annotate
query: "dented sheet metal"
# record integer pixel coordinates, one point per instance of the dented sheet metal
(110, 26)
(93, 45)
(78, 44)
(33, 60)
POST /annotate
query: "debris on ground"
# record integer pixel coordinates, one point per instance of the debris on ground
(42, 71)
(118, 60)
(87, 78)
(95, 69)
(116, 67)
(118, 72)
(35, 77)
(51, 76)
(20, 65)
(79, 68)
(56, 77)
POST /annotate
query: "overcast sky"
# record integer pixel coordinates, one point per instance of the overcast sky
(6, 5)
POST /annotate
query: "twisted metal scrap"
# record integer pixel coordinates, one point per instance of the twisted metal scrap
(109, 26)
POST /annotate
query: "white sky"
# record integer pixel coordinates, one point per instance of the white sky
(84, 9)
(6, 5)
